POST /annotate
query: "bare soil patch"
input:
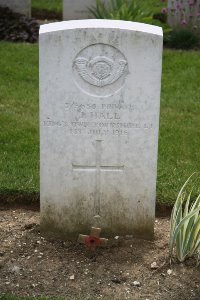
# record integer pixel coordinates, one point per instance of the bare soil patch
(31, 265)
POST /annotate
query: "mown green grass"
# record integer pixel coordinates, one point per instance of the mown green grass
(19, 141)
(56, 5)
(49, 5)
(179, 141)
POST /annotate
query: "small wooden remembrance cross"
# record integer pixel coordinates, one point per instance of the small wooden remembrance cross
(93, 240)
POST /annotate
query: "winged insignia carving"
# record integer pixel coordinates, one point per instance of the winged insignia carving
(100, 71)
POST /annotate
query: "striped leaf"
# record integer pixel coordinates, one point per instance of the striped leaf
(185, 225)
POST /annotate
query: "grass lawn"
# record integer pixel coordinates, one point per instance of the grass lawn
(49, 5)
(179, 141)
(19, 149)
(56, 5)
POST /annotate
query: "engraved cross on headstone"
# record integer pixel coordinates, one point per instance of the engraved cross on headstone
(98, 168)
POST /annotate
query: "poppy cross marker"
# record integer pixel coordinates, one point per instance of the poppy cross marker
(93, 240)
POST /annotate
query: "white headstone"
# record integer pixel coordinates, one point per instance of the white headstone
(19, 6)
(78, 9)
(184, 13)
(99, 112)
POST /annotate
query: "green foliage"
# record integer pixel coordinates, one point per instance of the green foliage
(179, 122)
(49, 5)
(19, 139)
(185, 225)
(160, 16)
(128, 10)
(182, 39)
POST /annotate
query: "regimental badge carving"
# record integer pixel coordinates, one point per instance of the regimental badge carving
(100, 70)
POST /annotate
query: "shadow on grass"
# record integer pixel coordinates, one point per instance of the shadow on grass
(13, 198)
(21, 199)
(45, 14)
(163, 210)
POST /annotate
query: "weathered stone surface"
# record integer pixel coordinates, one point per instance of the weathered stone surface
(99, 115)
(78, 9)
(20, 6)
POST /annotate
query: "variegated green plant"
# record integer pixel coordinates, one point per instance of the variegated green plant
(185, 225)
(129, 10)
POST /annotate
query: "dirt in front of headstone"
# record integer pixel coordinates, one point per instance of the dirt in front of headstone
(126, 268)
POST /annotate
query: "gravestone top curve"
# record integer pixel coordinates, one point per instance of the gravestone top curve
(96, 23)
